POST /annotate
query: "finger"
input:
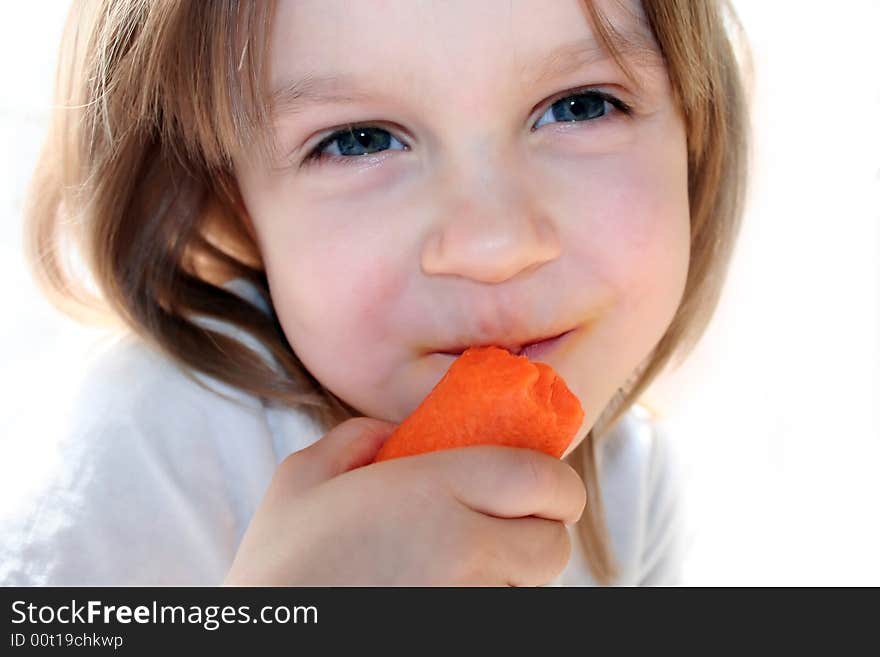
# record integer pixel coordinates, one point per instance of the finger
(524, 551)
(349, 445)
(512, 482)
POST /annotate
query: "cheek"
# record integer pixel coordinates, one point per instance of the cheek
(336, 291)
(628, 242)
(633, 230)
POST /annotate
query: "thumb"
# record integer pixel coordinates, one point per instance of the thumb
(349, 445)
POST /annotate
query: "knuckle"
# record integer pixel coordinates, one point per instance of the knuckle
(465, 568)
(291, 468)
(472, 560)
(358, 425)
(288, 465)
(546, 554)
(578, 490)
(534, 473)
(561, 549)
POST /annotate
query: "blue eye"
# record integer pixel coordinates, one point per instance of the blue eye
(359, 140)
(584, 106)
(352, 142)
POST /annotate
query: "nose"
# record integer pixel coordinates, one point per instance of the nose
(489, 228)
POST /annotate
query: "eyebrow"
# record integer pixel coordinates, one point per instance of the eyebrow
(634, 45)
(293, 96)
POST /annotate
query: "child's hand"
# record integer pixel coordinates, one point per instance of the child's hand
(448, 518)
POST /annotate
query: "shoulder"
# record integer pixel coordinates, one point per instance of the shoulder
(133, 399)
(642, 490)
(134, 391)
(153, 478)
(128, 374)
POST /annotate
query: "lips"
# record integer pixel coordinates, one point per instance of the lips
(514, 349)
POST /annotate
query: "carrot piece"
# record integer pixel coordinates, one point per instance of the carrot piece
(490, 397)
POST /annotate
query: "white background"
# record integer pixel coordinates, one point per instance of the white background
(776, 412)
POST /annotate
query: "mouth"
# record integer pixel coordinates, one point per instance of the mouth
(531, 349)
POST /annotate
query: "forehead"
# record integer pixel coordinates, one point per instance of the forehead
(328, 49)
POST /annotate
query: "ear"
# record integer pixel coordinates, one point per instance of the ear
(247, 222)
(236, 201)
(231, 195)
(229, 224)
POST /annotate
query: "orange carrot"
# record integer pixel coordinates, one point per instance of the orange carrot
(490, 397)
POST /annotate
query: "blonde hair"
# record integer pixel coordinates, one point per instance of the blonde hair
(154, 98)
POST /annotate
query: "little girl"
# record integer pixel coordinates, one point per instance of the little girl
(304, 210)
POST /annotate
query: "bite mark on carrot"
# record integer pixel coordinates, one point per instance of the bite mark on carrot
(490, 397)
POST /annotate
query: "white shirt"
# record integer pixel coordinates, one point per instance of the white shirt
(155, 479)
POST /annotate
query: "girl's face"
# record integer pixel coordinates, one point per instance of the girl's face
(487, 193)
